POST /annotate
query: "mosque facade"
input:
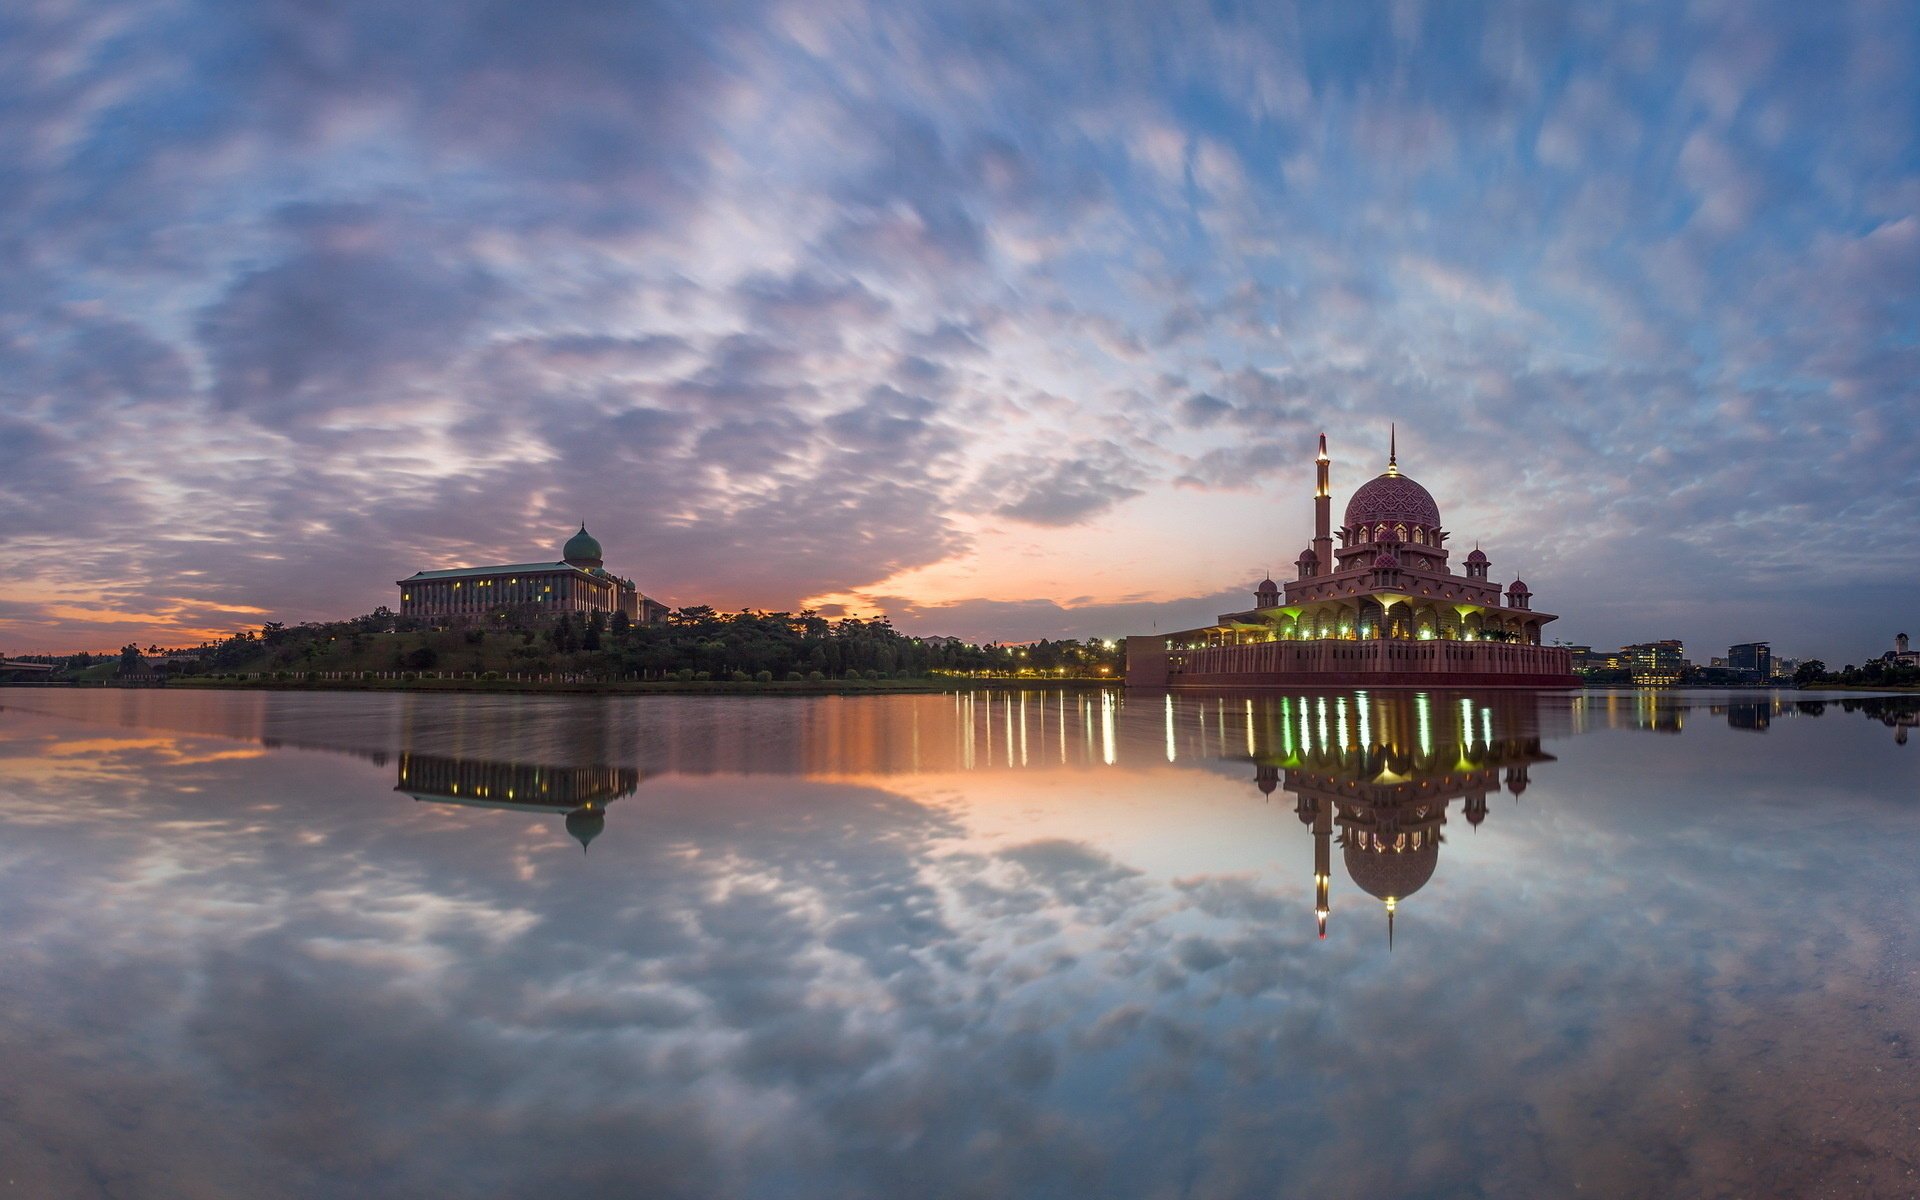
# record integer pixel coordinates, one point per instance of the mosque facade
(1375, 602)
(578, 582)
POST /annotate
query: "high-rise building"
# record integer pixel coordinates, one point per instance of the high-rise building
(1752, 659)
(1653, 664)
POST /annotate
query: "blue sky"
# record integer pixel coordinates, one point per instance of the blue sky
(1007, 320)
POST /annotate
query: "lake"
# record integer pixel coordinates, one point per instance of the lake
(1038, 944)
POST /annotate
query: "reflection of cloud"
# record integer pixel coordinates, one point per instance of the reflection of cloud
(760, 983)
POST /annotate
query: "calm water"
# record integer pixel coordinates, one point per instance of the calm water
(261, 945)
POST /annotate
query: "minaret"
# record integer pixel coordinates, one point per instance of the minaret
(1323, 512)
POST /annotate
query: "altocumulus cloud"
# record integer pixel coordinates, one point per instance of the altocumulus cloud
(793, 303)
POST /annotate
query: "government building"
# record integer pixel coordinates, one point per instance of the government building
(579, 582)
(1384, 608)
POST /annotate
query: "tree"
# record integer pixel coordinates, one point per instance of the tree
(1810, 671)
(129, 657)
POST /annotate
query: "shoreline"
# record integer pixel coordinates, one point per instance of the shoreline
(588, 687)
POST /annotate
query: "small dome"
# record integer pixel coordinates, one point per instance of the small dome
(582, 547)
(1393, 497)
(1385, 559)
(586, 823)
(1267, 585)
(1519, 585)
(1308, 556)
(1476, 556)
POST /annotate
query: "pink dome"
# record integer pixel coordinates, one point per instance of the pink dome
(1394, 874)
(1393, 497)
(1518, 586)
(1476, 556)
(1307, 556)
(1385, 559)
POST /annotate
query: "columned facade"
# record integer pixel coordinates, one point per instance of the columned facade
(579, 582)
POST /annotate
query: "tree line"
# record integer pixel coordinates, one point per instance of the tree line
(697, 642)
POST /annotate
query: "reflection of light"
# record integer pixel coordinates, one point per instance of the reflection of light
(1170, 752)
(1063, 727)
(1250, 749)
(1023, 729)
(1106, 727)
(1286, 725)
(1365, 706)
(1486, 726)
(1466, 721)
(1340, 711)
(1325, 740)
(1424, 709)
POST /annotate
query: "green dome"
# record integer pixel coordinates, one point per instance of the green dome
(585, 824)
(581, 546)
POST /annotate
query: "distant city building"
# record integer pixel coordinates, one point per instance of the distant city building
(1652, 664)
(1385, 608)
(1582, 658)
(1753, 659)
(579, 582)
(1900, 654)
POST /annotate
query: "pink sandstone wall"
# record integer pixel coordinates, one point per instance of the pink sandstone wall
(1340, 663)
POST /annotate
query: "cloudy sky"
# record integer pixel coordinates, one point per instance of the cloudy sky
(1007, 320)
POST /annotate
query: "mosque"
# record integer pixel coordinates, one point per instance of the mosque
(1384, 608)
(579, 582)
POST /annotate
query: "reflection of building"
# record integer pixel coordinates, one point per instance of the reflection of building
(1377, 776)
(582, 793)
(1899, 713)
(579, 582)
(1385, 608)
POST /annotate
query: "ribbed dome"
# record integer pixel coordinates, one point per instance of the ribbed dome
(1392, 873)
(1476, 556)
(1385, 559)
(582, 547)
(1307, 556)
(1519, 585)
(1393, 497)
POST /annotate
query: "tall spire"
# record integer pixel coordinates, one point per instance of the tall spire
(1322, 511)
(1393, 448)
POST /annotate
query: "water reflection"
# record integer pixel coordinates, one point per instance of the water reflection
(1051, 944)
(1383, 773)
(582, 793)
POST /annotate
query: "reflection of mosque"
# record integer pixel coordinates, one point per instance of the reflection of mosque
(582, 793)
(1377, 774)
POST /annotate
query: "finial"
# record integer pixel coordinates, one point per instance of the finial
(1393, 448)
